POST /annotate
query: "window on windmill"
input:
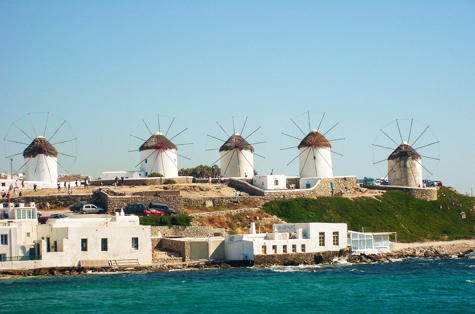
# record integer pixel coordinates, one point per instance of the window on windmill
(276, 182)
(314, 157)
(145, 160)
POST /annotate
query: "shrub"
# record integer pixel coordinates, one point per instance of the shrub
(169, 181)
(155, 175)
(175, 220)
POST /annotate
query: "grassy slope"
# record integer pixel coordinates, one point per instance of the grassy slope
(411, 218)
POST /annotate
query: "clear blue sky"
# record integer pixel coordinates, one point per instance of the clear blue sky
(106, 65)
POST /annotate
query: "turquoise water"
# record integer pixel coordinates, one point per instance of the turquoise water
(411, 286)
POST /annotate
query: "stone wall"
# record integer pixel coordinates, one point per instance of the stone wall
(182, 247)
(425, 194)
(112, 203)
(300, 258)
(185, 232)
(347, 184)
(145, 181)
(42, 201)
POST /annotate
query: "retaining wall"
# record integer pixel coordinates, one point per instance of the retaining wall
(52, 201)
(144, 181)
(111, 203)
(425, 194)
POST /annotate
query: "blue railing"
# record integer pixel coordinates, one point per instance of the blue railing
(20, 258)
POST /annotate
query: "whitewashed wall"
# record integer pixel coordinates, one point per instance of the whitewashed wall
(165, 163)
(315, 162)
(237, 163)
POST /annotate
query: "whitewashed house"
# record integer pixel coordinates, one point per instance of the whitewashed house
(18, 232)
(270, 182)
(111, 175)
(371, 242)
(287, 238)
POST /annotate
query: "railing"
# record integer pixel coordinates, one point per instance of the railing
(124, 262)
(20, 258)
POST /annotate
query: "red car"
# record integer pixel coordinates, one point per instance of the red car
(42, 220)
(153, 212)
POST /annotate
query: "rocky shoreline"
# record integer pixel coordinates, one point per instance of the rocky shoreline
(449, 250)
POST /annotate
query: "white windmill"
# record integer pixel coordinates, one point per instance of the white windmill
(236, 153)
(404, 163)
(40, 157)
(158, 154)
(315, 150)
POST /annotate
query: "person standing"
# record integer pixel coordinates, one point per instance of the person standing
(35, 187)
(8, 196)
(209, 180)
(115, 186)
(3, 193)
(59, 187)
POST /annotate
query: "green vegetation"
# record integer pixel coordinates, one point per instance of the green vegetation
(201, 171)
(155, 175)
(169, 181)
(413, 219)
(175, 220)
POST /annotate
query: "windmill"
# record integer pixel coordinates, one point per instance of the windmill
(315, 151)
(158, 154)
(40, 156)
(404, 162)
(236, 153)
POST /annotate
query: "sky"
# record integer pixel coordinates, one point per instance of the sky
(104, 66)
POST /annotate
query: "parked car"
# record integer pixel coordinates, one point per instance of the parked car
(162, 207)
(438, 183)
(57, 216)
(76, 207)
(384, 182)
(42, 220)
(428, 182)
(368, 181)
(153, 212)
(136, 209)
(91, 209)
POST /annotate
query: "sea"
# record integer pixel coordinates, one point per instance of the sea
(406, 286)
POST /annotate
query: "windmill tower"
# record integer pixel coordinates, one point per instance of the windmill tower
(315, 151)
(236, 153)
(404, 164)
(315, 156)
(41, 160)
(41, 155)
(237, 157)
(159, 154)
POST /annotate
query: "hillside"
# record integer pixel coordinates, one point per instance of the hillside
(411, 218)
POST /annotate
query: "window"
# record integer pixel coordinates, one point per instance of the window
(3, 257)
(264, 249)
(294, 248)
(321, 239)
(336, 238)
(303, 248)
(135, 243)
(145, 160)
(55, 246)
(48, 245)
(27, 234)
(284, 249)
(274, 249)
(4, 239)
(104, 245)
(84, 245)
(276, 182)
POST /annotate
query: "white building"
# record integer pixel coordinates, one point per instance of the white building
(111, 175)
(117, 240)
(18, 232)
(270, 182)
(287, 238)
(315, 157)
(237, 157)
(371, 242)
(158, 154)
(405, 167)
(41, 160)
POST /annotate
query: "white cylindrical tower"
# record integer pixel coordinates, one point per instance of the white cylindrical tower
(237, 157)
(405, 167)
(159, 154)
(315, 156)
(41, 160)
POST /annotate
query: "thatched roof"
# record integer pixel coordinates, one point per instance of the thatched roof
(404, 151)
(158, 141)
(315, 139)
(40, 145)
(236, 141)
